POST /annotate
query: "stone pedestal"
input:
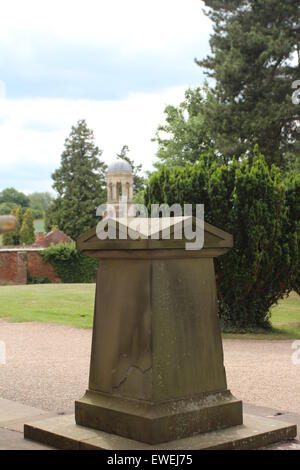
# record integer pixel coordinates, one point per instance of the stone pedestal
(157, 379)
(157, 369)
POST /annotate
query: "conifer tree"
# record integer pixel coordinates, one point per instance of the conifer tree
(254, 61)
(79, 183)
(27, 235)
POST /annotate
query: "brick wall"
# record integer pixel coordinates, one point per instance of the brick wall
(37, 268)
(14, 264)
(13, 268)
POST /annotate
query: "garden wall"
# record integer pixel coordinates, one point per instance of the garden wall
(17, 265)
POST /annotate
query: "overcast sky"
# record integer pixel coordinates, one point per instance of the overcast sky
(115, 63)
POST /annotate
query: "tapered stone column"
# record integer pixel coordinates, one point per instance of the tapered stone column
(156, 371)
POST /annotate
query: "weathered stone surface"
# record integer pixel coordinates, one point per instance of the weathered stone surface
(256, 432)
(155, 423)
(12, 440)
(156, 336)
(12, 418)
(156, 369)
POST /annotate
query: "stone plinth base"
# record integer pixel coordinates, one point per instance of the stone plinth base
(155, 423)
(256, 432)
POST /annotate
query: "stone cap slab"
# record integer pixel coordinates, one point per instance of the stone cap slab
(155, 234)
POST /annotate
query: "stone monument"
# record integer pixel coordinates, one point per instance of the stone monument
(157, 369)
(156, 373)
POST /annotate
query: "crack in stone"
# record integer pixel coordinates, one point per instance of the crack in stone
(128, 372)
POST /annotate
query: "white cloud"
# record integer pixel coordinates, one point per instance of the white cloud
(2, 90)
(32, 132)
(39, 43)
(131, 25)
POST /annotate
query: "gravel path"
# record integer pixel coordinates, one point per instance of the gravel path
(47, 367)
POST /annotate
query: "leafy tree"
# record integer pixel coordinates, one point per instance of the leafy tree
(12, 196)
(184, 136)
(39, 203)
(38, 214)
(27, 235)
(13, 238)
(260, 207)
(79, 183)
(6, 207)
(255, 59)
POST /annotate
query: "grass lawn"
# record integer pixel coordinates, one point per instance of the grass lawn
(39, 225)
(72, 304)
(285, 320)
(65, 304)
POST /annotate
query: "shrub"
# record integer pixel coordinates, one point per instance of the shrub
(37, 280)
(6, 207)
(13, 238)
(37, 214)
(27, 235)
(261, 209)
(70, 265)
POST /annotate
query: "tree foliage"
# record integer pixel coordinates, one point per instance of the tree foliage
(10, 198)
(79, 183)
(185, 135)
(7, 207)
(254, 61)
(27, 235)
(14, 197)
(261, 209)
(39, 203)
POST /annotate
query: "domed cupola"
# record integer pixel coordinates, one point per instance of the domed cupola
(120, 166)
(119, 184)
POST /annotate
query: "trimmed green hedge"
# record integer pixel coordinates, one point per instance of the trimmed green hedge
(70, 265)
